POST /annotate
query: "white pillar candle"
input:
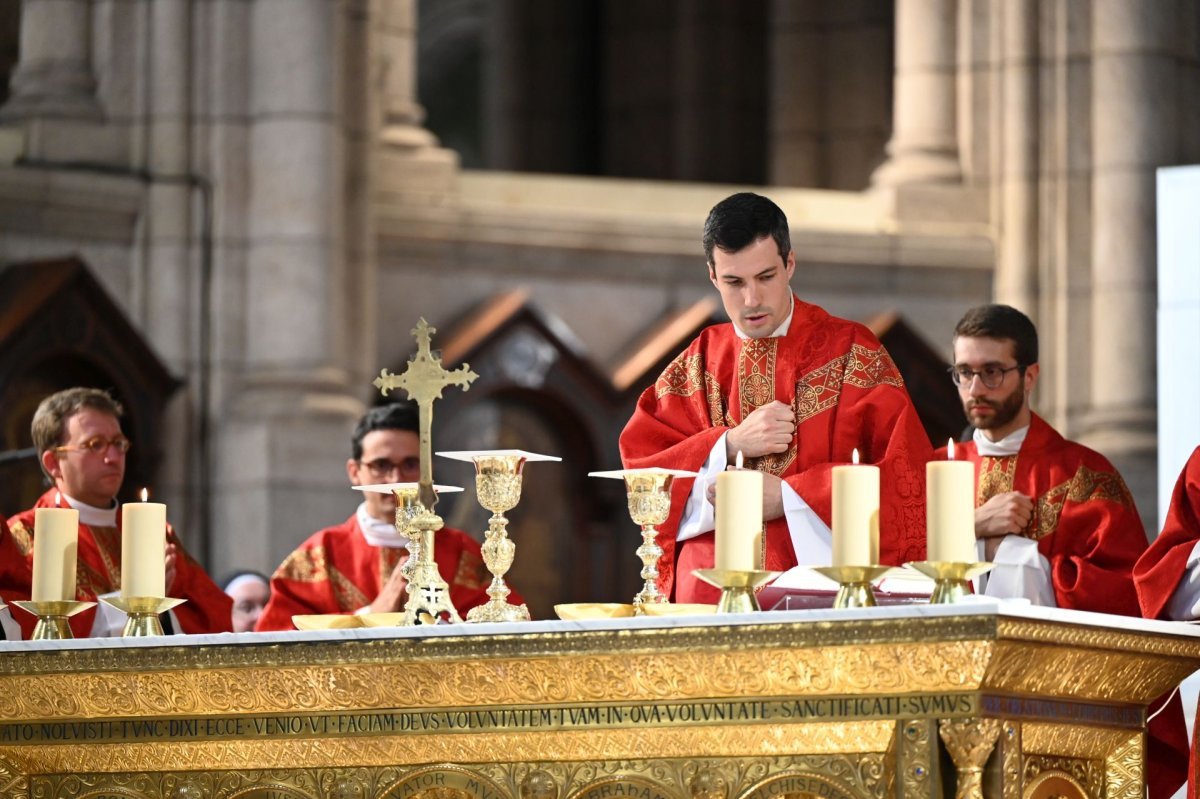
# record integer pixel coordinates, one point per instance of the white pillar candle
(739, 518)
(950, 512)
(55, 550)
(855, 514)
(143, 549)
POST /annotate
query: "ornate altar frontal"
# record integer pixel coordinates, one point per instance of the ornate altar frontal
(855, 704)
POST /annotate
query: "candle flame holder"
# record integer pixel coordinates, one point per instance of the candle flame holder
(52, 624)
(854, 584)
(737, 587)
(951, 579)
(143, 612)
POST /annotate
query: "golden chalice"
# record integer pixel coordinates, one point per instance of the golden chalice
(648, 493)
(498, 477)
(408, 508)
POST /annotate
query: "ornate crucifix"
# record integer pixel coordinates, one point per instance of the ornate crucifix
(423, 381)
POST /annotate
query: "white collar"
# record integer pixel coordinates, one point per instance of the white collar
(782, 330)
(377, 532)
(1009, 445)
(93, 516)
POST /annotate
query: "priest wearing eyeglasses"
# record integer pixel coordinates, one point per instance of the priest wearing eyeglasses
(1054, 516)
(77, 434)
(354, 567)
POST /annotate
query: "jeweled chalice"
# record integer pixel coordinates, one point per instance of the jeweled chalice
(498, 477)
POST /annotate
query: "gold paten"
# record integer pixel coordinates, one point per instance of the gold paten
(833, 709)
(423, 381)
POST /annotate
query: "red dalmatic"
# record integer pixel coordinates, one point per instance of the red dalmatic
(337, 571)
(1088, 528)
(846, 394)
(98, 571)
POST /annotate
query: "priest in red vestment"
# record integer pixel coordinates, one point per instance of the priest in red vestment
(77, 433)
(1054, 516)
(792, 388)
(1167, 575)
(15, 582)
(353, 567)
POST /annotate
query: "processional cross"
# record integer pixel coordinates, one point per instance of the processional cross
(423, 381)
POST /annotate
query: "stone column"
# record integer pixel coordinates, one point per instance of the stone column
(1134, 130)
(414, 170)
(924, 144)
(1017, 250)
(796, 100)
(54, 77)
(284, 436)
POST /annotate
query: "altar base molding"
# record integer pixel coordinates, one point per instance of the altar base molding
(853, 704)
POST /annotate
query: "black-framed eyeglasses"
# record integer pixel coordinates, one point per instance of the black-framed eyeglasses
(382, 468)
(990, 376)
(99, 445)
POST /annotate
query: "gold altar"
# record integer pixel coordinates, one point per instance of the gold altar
(899, 702)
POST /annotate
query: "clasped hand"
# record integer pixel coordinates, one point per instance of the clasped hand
(768, 430)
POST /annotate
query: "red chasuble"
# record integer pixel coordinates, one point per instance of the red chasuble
(337, 571)
(846, 393)
(1160, 569)
(98, 571)
(1088, 528)
(16, 578)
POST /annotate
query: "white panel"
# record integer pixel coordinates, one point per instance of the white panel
(1178, 324)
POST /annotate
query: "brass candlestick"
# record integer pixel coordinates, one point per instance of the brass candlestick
(143, 612)
(737, 587)
(951, 579)
(854, 584)
(498, 478)
(52, 624)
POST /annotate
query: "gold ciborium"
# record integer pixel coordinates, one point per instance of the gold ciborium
(52, 616)
(498, 477)
(648, 492)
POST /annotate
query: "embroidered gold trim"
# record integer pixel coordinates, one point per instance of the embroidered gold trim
(682, 377)
(22, 537)
(820, 389)
(995, 477)
(1084, 486)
